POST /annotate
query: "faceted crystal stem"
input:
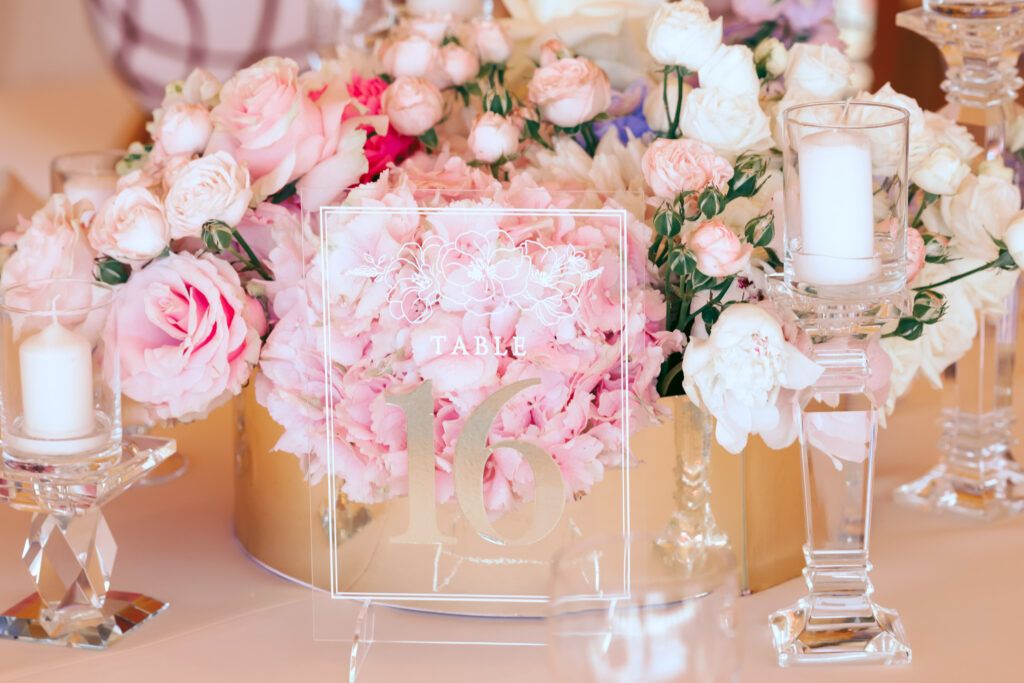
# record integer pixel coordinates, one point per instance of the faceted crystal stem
(70, 559)
(692, 527)
(838, 621)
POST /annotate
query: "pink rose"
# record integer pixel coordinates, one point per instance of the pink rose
(188, 335)
(915, 253)
(492, 43)
(281, 133)
(211, 188)
(130, 226)
(552, 50)
(367, 91)
(718, 250)
(493, 137)
(413, 56)
(570, 91)
(675, 166)
(184, 128)
(413, 105)
(53, 244)
(434, 26)
(459, 64)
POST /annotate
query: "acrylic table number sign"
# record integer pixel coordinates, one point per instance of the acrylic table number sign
(478, 358)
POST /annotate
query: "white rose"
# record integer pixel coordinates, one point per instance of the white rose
(979, 211)
(883, 140)
(493, 137)
(739, 372)
(459, 64)
(943, 131)
(414, 56)
(211, 188)
(818, 71)
(941, 172)
(731, 69)
(731, 124)
(995, 168)
(492, 42)
(772, 55)
(683, 34)
(654, 104)
(1014, 238)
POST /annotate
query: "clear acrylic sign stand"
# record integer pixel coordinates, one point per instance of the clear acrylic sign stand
(446, 511)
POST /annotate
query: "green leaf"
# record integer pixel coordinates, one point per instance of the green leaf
(908, 328)
(284, 194)
(429, 140)
(112, 272)
(710, 316)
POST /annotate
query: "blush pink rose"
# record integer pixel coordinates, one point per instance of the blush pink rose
(493, 137)
(413, 56)
(268, 121)
(570, 91)
(52, 244)
(459, 64)
(915, 253)
(492, 42)
(718, 250)
(130, 226)
(184, 128)
(188, 335)
(552, 50)
(675, 166)
(413, 105)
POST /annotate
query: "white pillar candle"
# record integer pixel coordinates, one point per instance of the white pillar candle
(95, 188)
(56, 384)
(837, 227)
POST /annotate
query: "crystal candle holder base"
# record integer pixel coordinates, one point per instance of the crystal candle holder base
(70, 551)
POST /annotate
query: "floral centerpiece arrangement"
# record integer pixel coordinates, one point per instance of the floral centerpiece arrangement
(217, 276)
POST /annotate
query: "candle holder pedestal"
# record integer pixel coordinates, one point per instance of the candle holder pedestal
(977, 475)
(838, 621)
(70, 551)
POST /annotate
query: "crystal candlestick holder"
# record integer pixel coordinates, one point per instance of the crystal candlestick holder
(70, 551)
(845, 174)
(976, 476)
(63, 457)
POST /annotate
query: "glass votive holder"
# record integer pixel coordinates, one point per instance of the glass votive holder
(622, 610)
(846, 177)
(59, 373)
(86, 175)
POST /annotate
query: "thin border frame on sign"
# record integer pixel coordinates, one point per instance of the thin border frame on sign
(622, 216)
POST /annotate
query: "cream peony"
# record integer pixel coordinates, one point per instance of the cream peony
(493, 137)
(654, 104)
(818, 72)
(943, 131)
(978, 212)
(885, 140)
(996, 169)
(906, 361)
(130, 226)
(941, 172)
(731, 69)
(739, 371)
(731, 124)
(211, 188)
(413, 105)
(570, 91)
(683, 34)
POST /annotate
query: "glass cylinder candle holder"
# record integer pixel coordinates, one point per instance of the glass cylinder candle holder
(86, 175)
(846, 179)
(60, 386)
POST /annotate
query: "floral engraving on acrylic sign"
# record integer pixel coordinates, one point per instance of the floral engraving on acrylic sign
(482, 274)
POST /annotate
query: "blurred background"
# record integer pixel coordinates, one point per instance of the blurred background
(80, 74)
